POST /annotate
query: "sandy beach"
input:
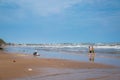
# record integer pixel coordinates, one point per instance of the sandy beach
(21, 66)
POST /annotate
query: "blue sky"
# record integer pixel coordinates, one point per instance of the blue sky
(59, 21)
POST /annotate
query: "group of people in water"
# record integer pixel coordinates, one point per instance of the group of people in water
(91, 53)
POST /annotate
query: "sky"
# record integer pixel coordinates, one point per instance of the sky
(60, 21)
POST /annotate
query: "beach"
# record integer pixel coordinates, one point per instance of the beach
(28, 67)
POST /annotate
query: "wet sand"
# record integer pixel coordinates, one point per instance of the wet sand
(22, 67)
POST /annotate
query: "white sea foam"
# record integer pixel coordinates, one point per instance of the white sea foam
(71, 45)
(108, 47)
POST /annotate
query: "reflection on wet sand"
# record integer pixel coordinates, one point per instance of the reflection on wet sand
(75, 74)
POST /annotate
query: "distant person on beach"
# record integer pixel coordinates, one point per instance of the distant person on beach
(36, 53)
(91, 53)
(91, 49)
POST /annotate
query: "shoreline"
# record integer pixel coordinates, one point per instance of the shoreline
(20, 65)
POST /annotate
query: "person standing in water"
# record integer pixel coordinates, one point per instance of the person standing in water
(91, 53)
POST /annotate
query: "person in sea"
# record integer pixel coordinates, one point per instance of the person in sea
(91, 53)
(36, 53)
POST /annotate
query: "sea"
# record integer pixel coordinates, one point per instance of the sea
(106, 53)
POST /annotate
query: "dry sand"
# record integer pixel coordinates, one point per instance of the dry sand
(20, 65)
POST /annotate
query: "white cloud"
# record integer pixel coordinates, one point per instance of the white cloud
(42, 7)
(45, 7)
